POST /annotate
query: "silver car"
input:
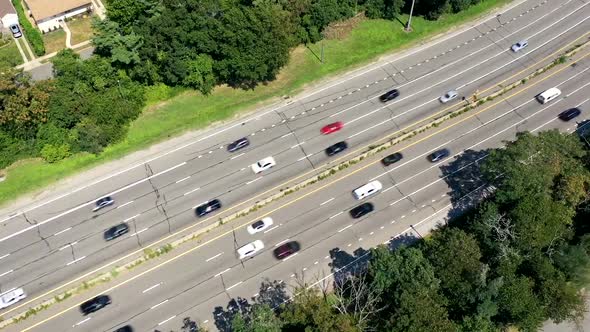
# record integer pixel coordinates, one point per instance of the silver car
(450, 95)
(16, 33)
(519, 46)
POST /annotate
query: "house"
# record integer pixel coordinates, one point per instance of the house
(48, 13)
(8, 15)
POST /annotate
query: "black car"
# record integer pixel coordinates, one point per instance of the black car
(361, 210)
(16, 33)
(95, 304)
(103, 202)
(390, 95)
(239, 144)
(392, 159)
(208, 207)
(336, 148)
(116, 231)
(438, 155)
(286, 250)
(569, 114)
(126, 328)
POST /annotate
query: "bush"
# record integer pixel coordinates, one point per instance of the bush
(52, 153)
(33, 35)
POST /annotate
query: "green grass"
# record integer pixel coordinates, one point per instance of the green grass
(187, 110)
(9, 55)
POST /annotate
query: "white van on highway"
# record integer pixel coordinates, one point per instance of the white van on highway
(367, 190)
(548, 95)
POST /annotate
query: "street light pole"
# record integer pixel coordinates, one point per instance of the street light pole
(409, 25)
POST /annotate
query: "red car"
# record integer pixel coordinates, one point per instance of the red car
(332, 128)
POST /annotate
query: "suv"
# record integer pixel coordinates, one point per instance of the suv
(392, 159)
(390, 95)
(338, 147)
(208, 207)
(116, 231)
(237, 145)
(287, 249)
(361, 210)
(95, 304)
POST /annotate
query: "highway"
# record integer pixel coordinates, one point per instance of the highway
(204, 170)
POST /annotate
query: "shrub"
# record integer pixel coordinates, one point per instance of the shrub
(53, 153)
(33, 35)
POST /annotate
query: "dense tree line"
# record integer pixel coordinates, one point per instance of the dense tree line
(515, 260)
(87, 106)
(202, 43)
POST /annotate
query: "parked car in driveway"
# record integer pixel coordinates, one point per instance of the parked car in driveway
(263, 165)
(569, 114)
(16, 33)
(336, 148)
(250, 249)
(285, 250)
(332, 128)
(392, 159)
(519, 46)
(95, 304)
(439, 155)
(9, 298)
(208, 207)
(361, 210)
(238, 144)
(103, 202)
(450, 95)
(260, 225)
(116, 231)
(389, 95)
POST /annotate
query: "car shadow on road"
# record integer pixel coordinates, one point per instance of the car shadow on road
(272, 293)
(466, 182)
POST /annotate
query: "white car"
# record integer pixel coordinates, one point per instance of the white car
(263, 165)
(519, 46)
(250, 249)
(260, 225)
(448, 96)
(10, 298)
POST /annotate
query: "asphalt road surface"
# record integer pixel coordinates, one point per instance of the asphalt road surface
(63, 238)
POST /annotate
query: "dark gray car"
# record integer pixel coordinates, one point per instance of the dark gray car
(336, 148)
(95, 304)
(438, 155)
(116, 231)
(239, 144)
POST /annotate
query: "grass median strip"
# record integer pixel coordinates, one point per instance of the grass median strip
(150, 254)
(189, 110)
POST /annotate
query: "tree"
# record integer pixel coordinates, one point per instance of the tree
(310, 312)
(519, 305)
(455, 257)
(387, 9)
(260, 319)
(109, 41)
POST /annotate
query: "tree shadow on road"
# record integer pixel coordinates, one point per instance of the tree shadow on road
(465, 180)
(272, 293)
(343, 263)
(405, 239)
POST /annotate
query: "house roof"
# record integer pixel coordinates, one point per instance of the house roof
(41, 9)
(6, 7)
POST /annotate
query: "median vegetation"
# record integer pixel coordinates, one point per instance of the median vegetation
(127, 65)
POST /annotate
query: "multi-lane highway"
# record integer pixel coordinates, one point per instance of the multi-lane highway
(62, 238)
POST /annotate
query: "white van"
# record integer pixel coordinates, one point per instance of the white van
(367, 190)
(548, 95)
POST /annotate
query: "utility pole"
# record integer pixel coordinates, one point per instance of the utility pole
(409, 25)
(322, 52)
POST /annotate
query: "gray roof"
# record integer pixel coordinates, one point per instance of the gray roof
(6, 7)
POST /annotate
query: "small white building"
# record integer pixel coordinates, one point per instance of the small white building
(8, 15)
(48, 13)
